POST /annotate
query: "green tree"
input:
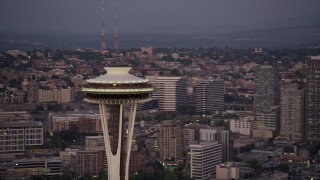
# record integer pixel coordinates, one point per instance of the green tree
(70, 135)
(86, 177)
(284, 167)
(175, 72)
(67, 176)
(67, 79)
(42, 78)
(170, 176)
(255, 165)
(102, 175)
(56, 142)
(55, 177)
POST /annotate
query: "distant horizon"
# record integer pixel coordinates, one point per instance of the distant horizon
(165, 33)
(144, 16)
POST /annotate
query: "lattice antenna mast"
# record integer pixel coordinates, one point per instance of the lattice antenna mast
(103, 29)
(116, 36)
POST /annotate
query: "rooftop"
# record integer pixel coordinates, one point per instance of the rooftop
(21, 124)
(117, 75)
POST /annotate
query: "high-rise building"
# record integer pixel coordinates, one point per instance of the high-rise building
(170, 140)
(16, 136)
(171, 92)
(115, 90)
(223, 138)
(266, 99)
(209, 96)
(292, 111)
(204, 156)
(313, 99)
(266, 88)
(190, 134)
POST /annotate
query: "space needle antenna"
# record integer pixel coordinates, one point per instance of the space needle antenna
(116, 36)
(103, 30)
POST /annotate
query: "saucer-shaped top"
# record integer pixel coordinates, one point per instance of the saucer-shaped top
(117, 75)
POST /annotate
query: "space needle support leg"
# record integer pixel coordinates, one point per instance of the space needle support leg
(131, 119)
(113, 160)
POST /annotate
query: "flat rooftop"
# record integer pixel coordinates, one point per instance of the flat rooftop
(21, 124)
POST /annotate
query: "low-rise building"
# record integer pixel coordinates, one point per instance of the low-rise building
(242, 126)
(90, 162)
(16, 136)
(262, 133)
(48, 166)
(61, 95)
(86, 121)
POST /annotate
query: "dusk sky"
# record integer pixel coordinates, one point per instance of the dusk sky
(147, 15)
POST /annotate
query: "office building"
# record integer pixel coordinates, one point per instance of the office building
(266, 88)
(292, 111)
(209, 96)
(223, 138)
(14, 116)
(84, 70)
(241, 126)
(313, 99)
(204, 156)
(266, 99)
(226, 172)
(263, 133)
(95, 143)
(138, 161)
(42, 166)
(267, 120)
(61, 95)
(171, 92)
(190, 134)
(16, 136)
(90, 162)
(68, 157)
(232, 170)
(170, 140)
(85, 121)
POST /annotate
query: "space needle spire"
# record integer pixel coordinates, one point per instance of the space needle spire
(116, 36)
(103, 29)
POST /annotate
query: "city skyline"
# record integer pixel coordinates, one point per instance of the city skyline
(247, 113)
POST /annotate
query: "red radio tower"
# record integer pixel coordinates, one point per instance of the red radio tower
(116, 36)
(103, 30)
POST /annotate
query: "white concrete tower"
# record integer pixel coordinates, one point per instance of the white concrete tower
(112, 92)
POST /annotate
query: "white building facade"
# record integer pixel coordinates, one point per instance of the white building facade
(204, 156)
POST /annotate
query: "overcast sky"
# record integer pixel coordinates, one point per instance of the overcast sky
(145, 15)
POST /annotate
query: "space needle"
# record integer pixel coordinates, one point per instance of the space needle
(114, 92)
